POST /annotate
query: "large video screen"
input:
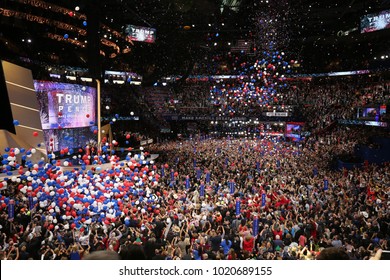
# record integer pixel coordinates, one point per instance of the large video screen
(68, 114)
(70, 138)
(141, 34)
(375, 22)
(370, 113)
(294, 129)
(65, 105)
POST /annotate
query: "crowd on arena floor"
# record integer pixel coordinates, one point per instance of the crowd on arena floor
(205, 198)
(185, 207)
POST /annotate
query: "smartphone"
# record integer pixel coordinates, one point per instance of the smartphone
(385, 255)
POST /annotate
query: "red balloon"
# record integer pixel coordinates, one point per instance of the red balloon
(35, 134)
(128, 136)
(87, 115)
(73, 225)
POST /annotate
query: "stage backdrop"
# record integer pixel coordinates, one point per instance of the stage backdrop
(24, 105)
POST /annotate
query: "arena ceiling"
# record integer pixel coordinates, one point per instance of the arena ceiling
(322, 35)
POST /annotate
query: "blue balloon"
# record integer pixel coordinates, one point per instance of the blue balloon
(85, 23)
(66, 36)
(16, 122)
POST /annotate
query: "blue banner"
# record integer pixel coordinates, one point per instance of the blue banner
(226, 161)
(258, 166)
(172, 176)
(194, 163)
(315, 171)
(198, 173)
(238, 206)
(232, 187)
(30, 202)
(11, 210)
(326, 185)
(188, 183)
(201, 190)
(255, 225)
(207, 177)
(162, 172)
(263, 196)
(278, 163)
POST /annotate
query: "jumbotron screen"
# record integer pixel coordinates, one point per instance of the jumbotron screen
(140, 34)
(375, 22)
(65, 105)
(294, 129)
(68, 114)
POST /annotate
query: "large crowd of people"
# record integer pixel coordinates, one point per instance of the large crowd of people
(203, 198)
(226, 198)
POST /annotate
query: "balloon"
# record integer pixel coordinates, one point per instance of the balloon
(16, 122)
(35, 134)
